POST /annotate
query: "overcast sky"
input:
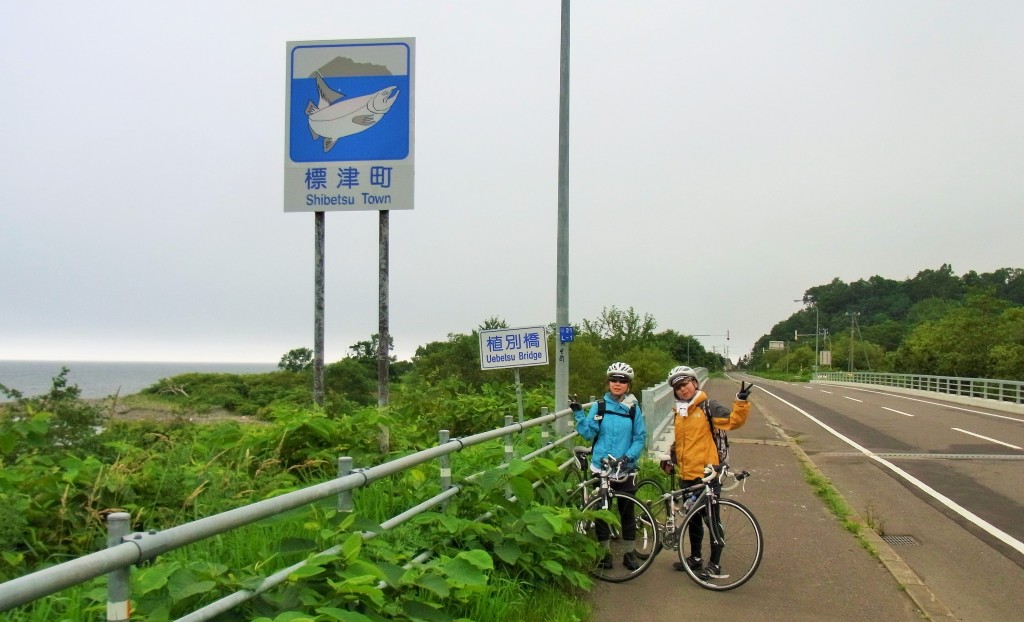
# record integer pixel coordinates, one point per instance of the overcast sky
(724, 157)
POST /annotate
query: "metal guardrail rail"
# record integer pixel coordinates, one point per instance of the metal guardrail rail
(981, 388)
(127, 549)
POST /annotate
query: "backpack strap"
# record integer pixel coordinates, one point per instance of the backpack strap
(602, 409)
(719, 436)
(706, 407)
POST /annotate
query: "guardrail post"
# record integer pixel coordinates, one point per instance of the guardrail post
(119, 582)
(545, 430)
(509, 448)
(345, 503)
(444, 461)
(508, 452)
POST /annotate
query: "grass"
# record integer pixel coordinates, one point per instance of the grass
(824, 489)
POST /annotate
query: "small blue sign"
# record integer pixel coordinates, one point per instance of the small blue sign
(566, 333)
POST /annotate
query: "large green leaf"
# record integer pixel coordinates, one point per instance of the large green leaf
(478, 558)
(183, 584)
(304, 572)
(537, 524)
(153, 578)
(522, 489)
(435, 584)
(343, 615)
(508, 551)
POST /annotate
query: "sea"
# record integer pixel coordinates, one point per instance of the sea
(98, 379)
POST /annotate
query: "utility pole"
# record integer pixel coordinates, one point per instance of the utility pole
(853, 318)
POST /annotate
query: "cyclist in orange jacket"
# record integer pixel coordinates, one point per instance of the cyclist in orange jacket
(695, 447)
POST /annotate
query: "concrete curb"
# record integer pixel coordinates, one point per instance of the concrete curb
(920, 594)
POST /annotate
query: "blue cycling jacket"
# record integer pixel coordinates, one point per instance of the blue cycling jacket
(616, 434)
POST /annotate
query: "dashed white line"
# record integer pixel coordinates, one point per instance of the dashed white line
(989, 528)
(824, 391)
(898, 412)
(853, 399)
(944, 405)
(986, 438)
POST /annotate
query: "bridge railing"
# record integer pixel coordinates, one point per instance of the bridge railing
(127, 549)
(1011, 391)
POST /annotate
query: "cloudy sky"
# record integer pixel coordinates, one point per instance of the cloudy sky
(724, 157)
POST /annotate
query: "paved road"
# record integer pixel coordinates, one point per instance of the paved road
(812, 570)
(941, 480)
(945, 475)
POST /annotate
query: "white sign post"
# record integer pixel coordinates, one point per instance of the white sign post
(349, 125)
(501, 348)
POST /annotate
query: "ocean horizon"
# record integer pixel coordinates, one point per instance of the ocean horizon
(98, 379)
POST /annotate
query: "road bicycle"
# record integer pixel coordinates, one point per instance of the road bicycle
(579, 483)
(736, 539)
(623, 559)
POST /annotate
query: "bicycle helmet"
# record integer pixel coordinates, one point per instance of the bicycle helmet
(679, 373)
(620, 370)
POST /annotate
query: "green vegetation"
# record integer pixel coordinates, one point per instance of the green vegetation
(935, 323)
(65, 463)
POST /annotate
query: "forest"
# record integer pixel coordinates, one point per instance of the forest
(936, 323)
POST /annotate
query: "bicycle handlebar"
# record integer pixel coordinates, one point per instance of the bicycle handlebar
(612, 468)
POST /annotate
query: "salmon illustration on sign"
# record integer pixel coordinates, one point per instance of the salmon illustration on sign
(336, 117)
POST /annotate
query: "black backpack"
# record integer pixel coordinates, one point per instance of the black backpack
(720, 437)
(600, 413)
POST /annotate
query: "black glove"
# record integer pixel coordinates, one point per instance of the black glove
(574, 405)
(744, 390)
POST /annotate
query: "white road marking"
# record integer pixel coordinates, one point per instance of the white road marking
(899, 412)
(986, 438)
(914, 399)
(994, 531)
(824, 391)
(853, 399)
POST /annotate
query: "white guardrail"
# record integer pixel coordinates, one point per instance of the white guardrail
(997, 394)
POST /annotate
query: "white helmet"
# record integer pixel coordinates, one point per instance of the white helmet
(620, 369)
(680, 372)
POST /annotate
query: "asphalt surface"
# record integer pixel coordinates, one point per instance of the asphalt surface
(967, 567)
(813, 569)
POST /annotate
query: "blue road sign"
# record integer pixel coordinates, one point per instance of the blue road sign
(349, 125)
(566, 334)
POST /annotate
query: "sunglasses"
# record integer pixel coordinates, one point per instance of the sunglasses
(681, 383)
(619, 380)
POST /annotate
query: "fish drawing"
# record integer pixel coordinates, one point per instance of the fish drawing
(336, 117)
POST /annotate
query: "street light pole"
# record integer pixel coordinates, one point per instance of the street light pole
(817, 357)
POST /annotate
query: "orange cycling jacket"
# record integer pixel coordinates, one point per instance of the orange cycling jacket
(694, 445)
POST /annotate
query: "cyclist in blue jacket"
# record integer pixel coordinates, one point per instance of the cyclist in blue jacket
(615, 425)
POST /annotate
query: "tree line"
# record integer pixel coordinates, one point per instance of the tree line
(935, 323)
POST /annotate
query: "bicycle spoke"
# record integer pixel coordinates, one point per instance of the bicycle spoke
(621, 552)
(731, 564)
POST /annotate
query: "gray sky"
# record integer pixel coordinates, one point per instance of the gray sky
(725, 156)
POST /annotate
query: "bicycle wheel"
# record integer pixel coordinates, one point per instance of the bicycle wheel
(742, 545)
(615, 567)
(650, 492)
